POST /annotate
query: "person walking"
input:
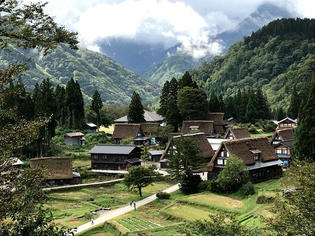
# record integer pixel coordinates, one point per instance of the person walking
(92, 221)
(134, 205)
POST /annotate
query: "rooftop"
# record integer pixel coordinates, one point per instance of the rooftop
(74, 134)
(148, 117)
(112, 149)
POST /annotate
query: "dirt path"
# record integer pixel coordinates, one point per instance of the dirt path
(121, 211)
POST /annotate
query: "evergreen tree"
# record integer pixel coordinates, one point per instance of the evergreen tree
(173, 116)
(280, 114)
(60, 95)
(173, 88)
(164, 99)
(135, 111)
(294, 104)
(186, 81)
(252, 113)
(192, 104)
(79, 108)
(304, 136)
(97, 104)
(214, 103)
(262, 106)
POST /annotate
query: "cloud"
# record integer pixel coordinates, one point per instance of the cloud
(193, 23)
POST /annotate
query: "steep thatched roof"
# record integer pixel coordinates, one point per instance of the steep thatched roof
(122, 131)
(237, 133)
(148, 117)
(204, 146)
(217, 118)
(245, 149)
(284, 134)
(205, 126)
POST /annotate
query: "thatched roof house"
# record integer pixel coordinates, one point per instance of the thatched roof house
(206, 150)
(255, 152)
(122, 131)
(218, 122)
(237, 133)
(205, 126)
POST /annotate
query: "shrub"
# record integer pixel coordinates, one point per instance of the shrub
(214, 186)
(205, 185)
(233, 176)
(163, 195)
(247, 189)
(190, 183)
(252, 129)
(270, 127)
(264, 199)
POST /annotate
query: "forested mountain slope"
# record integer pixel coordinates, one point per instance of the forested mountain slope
(92, 70)
(274, 58)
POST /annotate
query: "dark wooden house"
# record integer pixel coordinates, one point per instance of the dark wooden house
(286, 123)
(76, 138)
(219, 124)
(282, 142)
(128, 130)
(237, 133)
(196, 126)
(114, 157)
(256, 153)
(155, 155)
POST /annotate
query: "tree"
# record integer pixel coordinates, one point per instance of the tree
(294, 212)
(214, 103)
(219, 225)
(139, 177)
(164, 99)
(304, 136)
(192, 103)
(186, 159)
(135, 112)
(186, 81)
(60, 95)
(233, 176)
(280, 114)
(97, 104)
(189, 184)
(294, 106)
(21, 198)
(172, 115)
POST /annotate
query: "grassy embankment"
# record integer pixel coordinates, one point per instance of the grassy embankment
(162, 217)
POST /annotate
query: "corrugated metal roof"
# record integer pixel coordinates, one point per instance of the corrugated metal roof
(74, 134)
(112, 149)
(156, 152)
(259, 164)
(90, 124)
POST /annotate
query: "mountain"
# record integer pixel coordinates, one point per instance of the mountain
(176, 64)
(91, 69)
(264, 14)
(135, 56)
(275, 58)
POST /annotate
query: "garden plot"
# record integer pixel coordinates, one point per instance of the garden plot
(132, 223)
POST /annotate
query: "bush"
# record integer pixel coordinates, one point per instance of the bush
(263, 199)
(252, 129)
(270, 127)
(190, 183)
(163, 195)
(214, 186)
(247, 189)
(205, 185)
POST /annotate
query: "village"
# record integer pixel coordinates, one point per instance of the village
(265, 156)
(157, 118)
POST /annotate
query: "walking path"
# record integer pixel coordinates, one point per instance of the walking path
(121, 211)
(83, 185)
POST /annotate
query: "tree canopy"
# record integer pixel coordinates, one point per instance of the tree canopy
(135, 111)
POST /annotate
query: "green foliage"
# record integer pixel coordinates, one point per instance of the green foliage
(233, 176)
(275, 61)
(294, 106)
(252, 129)
(262, 199)
(186, 81)
(135, 112)
(189, 183)
(294, 212)
(164, 99)
(304, 136)
(205, 185)
(139, 177)
(247, 189)
(185, 160)
(219, 225)
(192, 103)
(163, 195)
(96, 105)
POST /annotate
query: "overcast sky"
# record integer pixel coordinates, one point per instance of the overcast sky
(189, 22)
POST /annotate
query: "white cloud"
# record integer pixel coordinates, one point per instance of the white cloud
(189, 22)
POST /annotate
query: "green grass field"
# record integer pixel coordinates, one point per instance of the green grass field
(72, 208)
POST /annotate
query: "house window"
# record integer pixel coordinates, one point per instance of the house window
(227, 154)
(222, 154)
(278, 151)
(284, 151)
(220, 161)
(257, 156)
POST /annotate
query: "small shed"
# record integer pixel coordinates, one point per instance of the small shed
(90, 127)
(76, 138)
(155, 155)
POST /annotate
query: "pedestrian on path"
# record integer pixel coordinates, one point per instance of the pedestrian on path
(130, 203)
(134, 205)
(92, 221)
